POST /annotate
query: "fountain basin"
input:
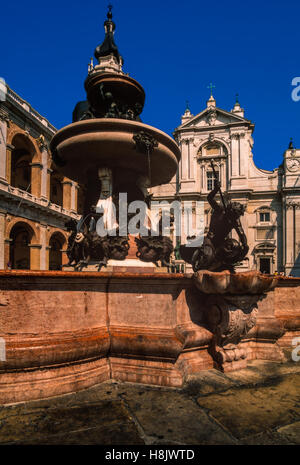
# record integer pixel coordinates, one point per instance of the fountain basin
(250, 282)
(93, 143)
(64, 331)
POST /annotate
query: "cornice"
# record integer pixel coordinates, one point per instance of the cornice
(13, 108)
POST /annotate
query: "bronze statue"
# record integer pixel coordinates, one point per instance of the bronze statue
(84, 245)
(155, 248)
(219, 251)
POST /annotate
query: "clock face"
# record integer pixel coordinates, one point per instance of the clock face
(293, 164)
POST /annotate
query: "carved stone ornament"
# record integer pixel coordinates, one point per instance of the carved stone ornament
(41, 142)
(144, 142)
(4, 117)
(230, 318)
(231, 312)
(291, 204)
(211, 117)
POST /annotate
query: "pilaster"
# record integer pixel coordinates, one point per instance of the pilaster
(4, 121)
(36, 169)
(67, 194)
(35, 256)
(2, 238)
(43, 240)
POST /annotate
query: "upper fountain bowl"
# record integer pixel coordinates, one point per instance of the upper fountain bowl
(125, 91)
(110, 142)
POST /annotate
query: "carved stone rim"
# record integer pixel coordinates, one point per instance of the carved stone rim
(250, 282)
(113, 125)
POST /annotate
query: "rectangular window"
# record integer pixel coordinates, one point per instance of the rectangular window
(265, 234)
(211, 179)
(264, 217)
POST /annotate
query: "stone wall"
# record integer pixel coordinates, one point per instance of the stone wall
(65, 331)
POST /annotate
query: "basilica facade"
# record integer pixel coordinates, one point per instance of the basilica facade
(272, 198)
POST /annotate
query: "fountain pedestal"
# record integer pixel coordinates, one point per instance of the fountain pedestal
(231, 312)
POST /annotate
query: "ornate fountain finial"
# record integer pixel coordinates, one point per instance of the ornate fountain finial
(108, 46)
(109, 13)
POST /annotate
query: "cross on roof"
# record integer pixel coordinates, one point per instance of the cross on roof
(211, 86)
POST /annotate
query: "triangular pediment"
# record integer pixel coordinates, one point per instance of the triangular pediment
(212, 117)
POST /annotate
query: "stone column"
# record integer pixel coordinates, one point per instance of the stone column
(242, 149)
(64, 256)
(7, 243)
(297, 230)
(190, 159)
(3, 138)
(35, 250)
(47, 254)
(284, 234)
(289, 235)
(48, 184)
(36, 169)
(74, 191)
(44, 174)
(43, 254)
(9, 149)
(184, 158)
(67, 193)
(234, 155)
(2, 239)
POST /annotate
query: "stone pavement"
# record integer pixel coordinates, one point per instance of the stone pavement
(257, 405)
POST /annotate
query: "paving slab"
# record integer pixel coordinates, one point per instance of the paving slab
(207, 382)
(248, 411)
(291, 432)
(266, 439)
(36, 425)
(258, 405)
(171, 416)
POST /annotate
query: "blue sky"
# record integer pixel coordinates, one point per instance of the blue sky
(174, 49)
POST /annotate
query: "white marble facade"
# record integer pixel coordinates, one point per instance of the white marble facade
(272, 198)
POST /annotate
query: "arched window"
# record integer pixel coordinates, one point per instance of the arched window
(56, 188)
(21, 160)
(213, 149)
(264, 257)
(19, 255)
(25, 165)
(216, 152)
(56, 244)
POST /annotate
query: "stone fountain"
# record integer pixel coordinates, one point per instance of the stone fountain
(109, 150)
(63, 331)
